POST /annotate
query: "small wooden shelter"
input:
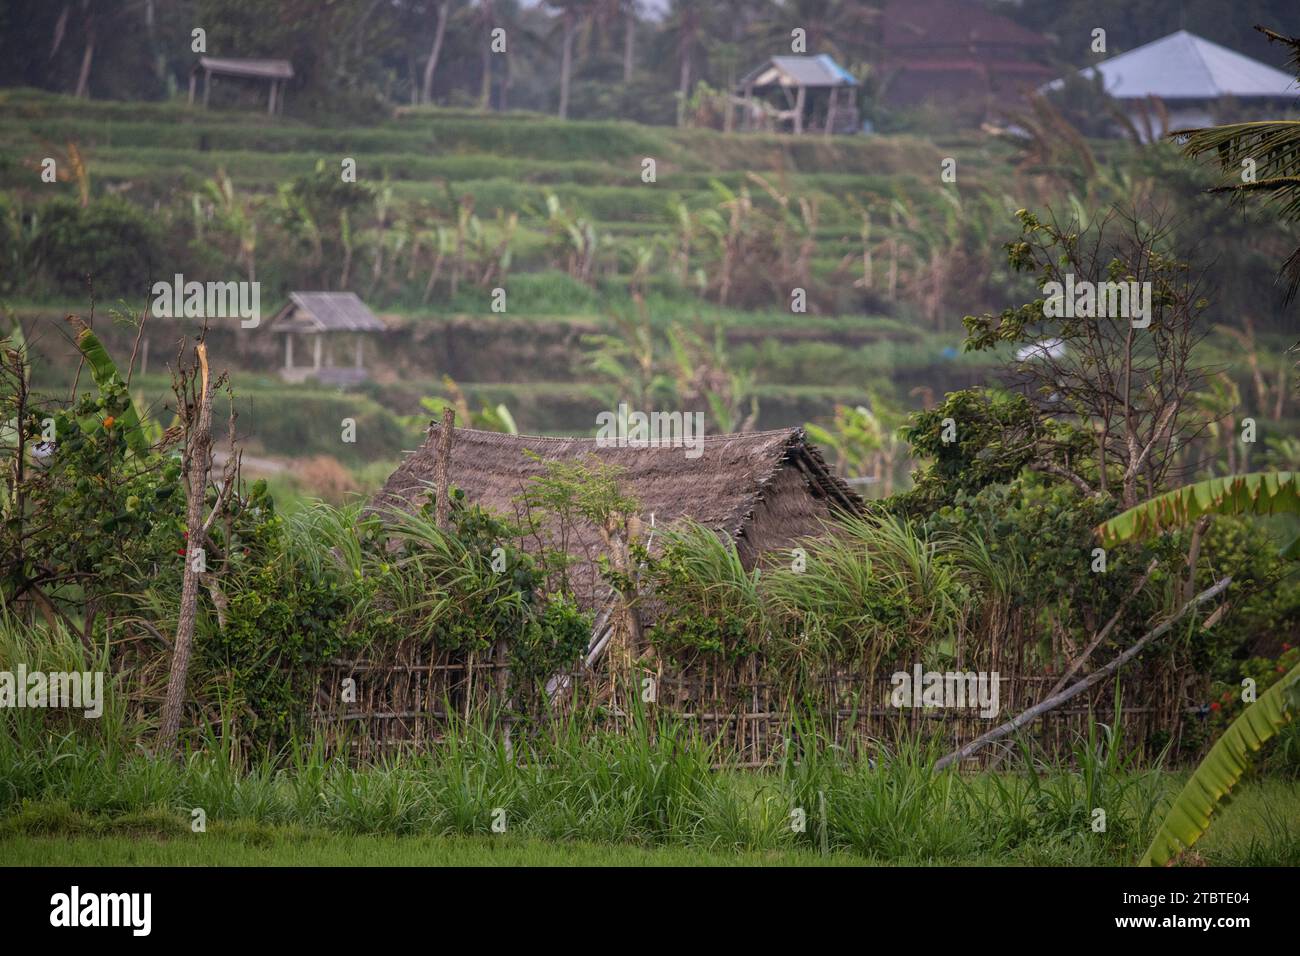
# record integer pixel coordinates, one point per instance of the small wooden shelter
(275, 72)
(327, 318)
(795, 77)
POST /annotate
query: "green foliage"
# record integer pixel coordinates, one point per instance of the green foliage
(12, 244)
(551, 642)
(111, 243)
(709, 603)
(976, 438)
(84, 513)
(996, 523)
(1213, 780)
(871, 591)
(289, 614)
(276, 418)
(112, 389)
(1260, 493)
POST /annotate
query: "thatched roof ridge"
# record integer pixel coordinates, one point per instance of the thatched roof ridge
(720, 488)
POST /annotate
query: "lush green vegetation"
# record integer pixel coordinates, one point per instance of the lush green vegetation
(605, 796)
(531, 272)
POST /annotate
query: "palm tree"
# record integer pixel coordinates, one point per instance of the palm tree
(687, 24)
(1264, 158)
(572, 13)
(439, 32)
(484, 18)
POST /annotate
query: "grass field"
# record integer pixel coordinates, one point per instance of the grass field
(1261, 827)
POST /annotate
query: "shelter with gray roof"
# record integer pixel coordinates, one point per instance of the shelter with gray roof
(328, 318)
(795, 78)
(275, 72)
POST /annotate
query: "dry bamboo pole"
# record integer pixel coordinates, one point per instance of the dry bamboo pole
(1092, 679)
(442, 467)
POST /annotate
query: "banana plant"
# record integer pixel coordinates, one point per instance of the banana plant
(1258, 493)
(104, 371)
(1212, 782)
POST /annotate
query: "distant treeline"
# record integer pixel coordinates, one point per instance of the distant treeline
(626, 59)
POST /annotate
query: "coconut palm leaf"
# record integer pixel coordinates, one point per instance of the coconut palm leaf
(1259, 493)
(1212, 782)
(1271, 148)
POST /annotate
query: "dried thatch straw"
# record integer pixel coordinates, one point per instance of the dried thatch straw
(764, 489)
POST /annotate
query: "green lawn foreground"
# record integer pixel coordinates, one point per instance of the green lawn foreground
(287, 846)
(1260, 827)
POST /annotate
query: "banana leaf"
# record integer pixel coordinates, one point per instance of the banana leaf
(104, 371)
(1212, 782)
(1259, 493)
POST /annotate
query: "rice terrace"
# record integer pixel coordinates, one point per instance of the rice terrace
(650, 433)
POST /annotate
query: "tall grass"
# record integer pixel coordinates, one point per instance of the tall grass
(873, 590)
(653, 785)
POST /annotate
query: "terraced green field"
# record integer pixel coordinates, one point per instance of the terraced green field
(536, 358)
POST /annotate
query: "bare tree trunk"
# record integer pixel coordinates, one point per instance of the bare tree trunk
(684, 87)
(503, 100)
(83, 78)
(199, 447)
(1194, 554)
(60, 29)
(485, 89)
(426, 90)
(629, 40)
(442, 467)
(1096, 677)
(566, 63)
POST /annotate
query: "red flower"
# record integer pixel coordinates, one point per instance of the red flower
(1281, 669)
(1215, 706)
(1286, 647)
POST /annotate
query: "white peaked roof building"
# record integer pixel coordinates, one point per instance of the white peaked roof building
(1187, 73)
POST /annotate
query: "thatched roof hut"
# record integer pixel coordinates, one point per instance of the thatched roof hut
(764, 489)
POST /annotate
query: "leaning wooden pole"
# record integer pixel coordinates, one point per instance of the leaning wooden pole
(198, 460)
(1096, 677)
(442, 467)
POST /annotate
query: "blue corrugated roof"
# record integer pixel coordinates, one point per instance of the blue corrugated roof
(820, 70)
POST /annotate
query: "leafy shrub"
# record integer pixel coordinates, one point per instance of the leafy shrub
(112, 242)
